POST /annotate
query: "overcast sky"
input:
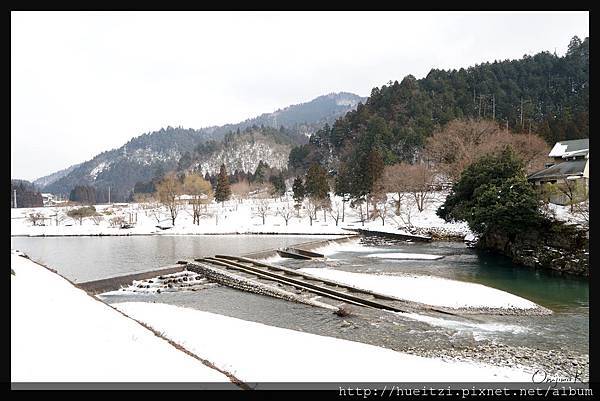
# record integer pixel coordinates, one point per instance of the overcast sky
(86, 82)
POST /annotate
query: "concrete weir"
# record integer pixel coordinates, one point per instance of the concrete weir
(114, 283)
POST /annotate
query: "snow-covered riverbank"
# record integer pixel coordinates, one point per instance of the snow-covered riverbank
(231, 217)
(59, 334)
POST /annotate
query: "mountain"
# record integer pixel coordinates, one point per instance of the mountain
(305, 118)
(268, 137)
(49, 179)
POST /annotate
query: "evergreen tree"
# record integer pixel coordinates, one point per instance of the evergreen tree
(223, 191)
(493, 194)
(298, 189)
(278, 182)
(260, 174)
(316, 185)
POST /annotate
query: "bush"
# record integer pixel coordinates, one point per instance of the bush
(493, 194)
(81, 213)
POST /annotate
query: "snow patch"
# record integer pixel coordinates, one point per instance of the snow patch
(428, 290)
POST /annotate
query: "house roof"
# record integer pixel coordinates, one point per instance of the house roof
(560, 170)
(575, 145)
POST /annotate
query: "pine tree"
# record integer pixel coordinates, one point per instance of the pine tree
(278, 182)
(298, 189)
(223, 191)
(316, 185)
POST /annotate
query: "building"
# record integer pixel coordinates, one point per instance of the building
(568, 173)
(48, 199)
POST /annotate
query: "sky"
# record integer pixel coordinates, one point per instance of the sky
(87, 82)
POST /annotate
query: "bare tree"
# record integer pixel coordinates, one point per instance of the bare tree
(581, 211)
(241, 190)
(168, 191)
(359, 205)
(421, 184)
(97, 219)
(381, 206)
(335, 212)
(311, 205)
(200, 192)
(117, 221)
(394, 179)
(35, 218)
(461, 142)
(59, 217)
(261, 209)
(286, 212)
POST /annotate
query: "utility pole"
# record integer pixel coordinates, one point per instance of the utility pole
(522, 103)
(521, 113)
(109, 195)
(15, 197)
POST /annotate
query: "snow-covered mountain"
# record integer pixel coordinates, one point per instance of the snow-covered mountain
(49, 179)
(240, 146)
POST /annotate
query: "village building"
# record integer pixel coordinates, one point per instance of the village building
(568, 174)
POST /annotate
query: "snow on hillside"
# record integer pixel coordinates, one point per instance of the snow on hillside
(245, 156)
(59, 333)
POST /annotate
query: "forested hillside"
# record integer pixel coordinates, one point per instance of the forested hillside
(543, 94)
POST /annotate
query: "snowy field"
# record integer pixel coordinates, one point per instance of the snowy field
(59, 333)
(255, 352)
(231, 217)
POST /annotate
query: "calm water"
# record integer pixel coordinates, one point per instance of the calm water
(91, 258)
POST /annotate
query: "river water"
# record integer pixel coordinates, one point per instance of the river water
(82, 259)
(564, 333)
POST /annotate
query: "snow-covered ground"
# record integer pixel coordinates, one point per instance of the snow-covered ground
(59, 333)
(428, 290)
(232, 217)
(579, 215)
(255, 352)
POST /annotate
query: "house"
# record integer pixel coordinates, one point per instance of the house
(568, 174)
(48, 199)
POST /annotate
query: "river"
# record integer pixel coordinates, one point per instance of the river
(563, 335)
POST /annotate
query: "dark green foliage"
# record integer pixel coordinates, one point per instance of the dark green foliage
(83, 194)
(223, 191)
(144, 187)
(260, 174)
(493, 194)
(315, 183)
(184, 162)
(27, 194)
(298, 189)
(545, 93)
(278, 182)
